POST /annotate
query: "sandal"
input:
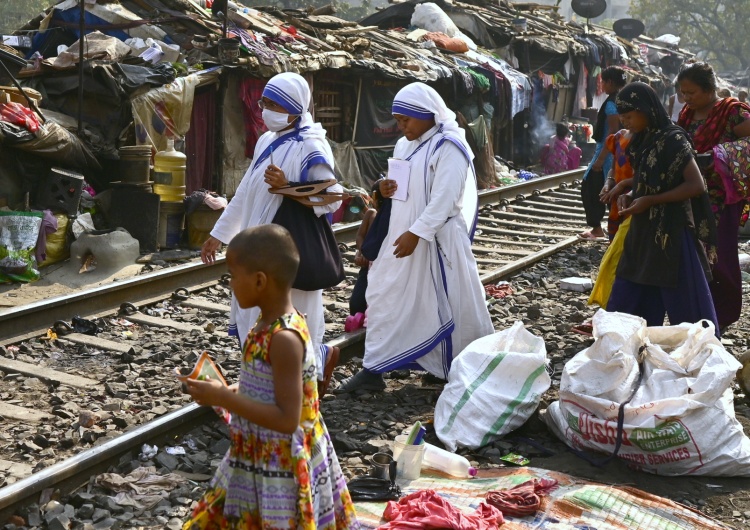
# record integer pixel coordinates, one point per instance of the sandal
(332, 360)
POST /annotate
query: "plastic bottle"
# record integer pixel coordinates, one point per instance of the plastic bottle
(169, 173)
(447, 462)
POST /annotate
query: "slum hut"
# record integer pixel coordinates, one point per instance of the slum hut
(155, 69)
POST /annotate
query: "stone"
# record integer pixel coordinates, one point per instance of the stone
(33, 515)
(80, 498)
(87, 418)
(59, 522)
(86, 511)
(99, 514)
(174, 524)
(109, 522)
(167, 460)
(534, 312)
(112, 250)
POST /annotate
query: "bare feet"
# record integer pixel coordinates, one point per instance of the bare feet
(594, 233)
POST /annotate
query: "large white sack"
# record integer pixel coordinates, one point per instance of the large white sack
(680, 419)
(494, 385)
(430, 17)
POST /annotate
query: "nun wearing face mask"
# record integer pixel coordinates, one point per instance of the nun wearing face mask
(293, 150)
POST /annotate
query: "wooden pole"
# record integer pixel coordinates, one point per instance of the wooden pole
(356, 112)
(81, 42)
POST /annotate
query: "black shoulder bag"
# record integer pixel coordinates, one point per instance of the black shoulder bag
(320, 264)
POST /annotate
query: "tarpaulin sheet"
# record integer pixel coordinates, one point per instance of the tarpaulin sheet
(375, 123)
(164, 112)
(575, 504)
(371, 163)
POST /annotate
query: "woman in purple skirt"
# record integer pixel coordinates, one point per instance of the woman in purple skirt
(664, 266)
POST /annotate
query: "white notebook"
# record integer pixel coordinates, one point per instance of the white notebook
(399, 171)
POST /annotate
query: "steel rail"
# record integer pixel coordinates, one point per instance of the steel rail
(19, 321)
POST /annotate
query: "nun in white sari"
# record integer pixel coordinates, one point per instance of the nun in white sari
(293, 150)
(425, 299)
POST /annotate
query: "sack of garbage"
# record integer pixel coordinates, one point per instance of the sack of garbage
(673, 384)
(18, 235)
(494, 386)
(430, 17)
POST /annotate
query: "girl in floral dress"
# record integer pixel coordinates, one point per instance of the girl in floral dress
(281, 471)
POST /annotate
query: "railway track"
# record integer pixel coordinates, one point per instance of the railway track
(120, 381)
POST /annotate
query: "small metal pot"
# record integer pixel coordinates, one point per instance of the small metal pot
(381, 464)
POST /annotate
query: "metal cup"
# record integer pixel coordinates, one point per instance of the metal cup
(381, 463)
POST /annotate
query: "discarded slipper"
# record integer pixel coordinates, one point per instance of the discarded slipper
(585, 328)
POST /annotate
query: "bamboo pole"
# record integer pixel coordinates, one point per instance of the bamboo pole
(356, 112)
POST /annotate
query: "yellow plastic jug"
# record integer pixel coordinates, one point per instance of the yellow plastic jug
(169, 173)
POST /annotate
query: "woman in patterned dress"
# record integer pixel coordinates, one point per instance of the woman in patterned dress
(281, 471)
(663, 267)
(711, 120)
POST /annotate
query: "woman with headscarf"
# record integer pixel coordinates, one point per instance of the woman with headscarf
(293, 150)
(664, 266)
(712, 121)
(425, 299)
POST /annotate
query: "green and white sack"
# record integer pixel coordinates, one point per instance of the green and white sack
(494, 386)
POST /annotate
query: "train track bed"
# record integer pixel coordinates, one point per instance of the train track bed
(362, 423)
(71, 396)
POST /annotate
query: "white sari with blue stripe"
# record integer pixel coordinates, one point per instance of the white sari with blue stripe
(425, 308)
(304, 156)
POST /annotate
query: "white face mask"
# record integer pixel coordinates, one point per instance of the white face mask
(275, 121)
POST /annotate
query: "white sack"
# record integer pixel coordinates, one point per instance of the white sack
(494, 385)
(680, 420)
(430, 17)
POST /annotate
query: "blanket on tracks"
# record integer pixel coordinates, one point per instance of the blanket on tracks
(577, 503)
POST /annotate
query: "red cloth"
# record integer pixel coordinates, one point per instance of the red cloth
(17, 114)
(425, 510)
(251, 90)
(200, 140)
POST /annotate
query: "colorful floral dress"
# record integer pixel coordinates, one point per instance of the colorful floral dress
(270, 480)
(718, 128)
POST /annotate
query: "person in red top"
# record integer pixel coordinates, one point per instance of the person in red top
(710, 120)
(619, 179)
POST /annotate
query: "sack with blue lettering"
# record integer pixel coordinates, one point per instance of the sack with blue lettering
(494, 386)
(658, 397)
